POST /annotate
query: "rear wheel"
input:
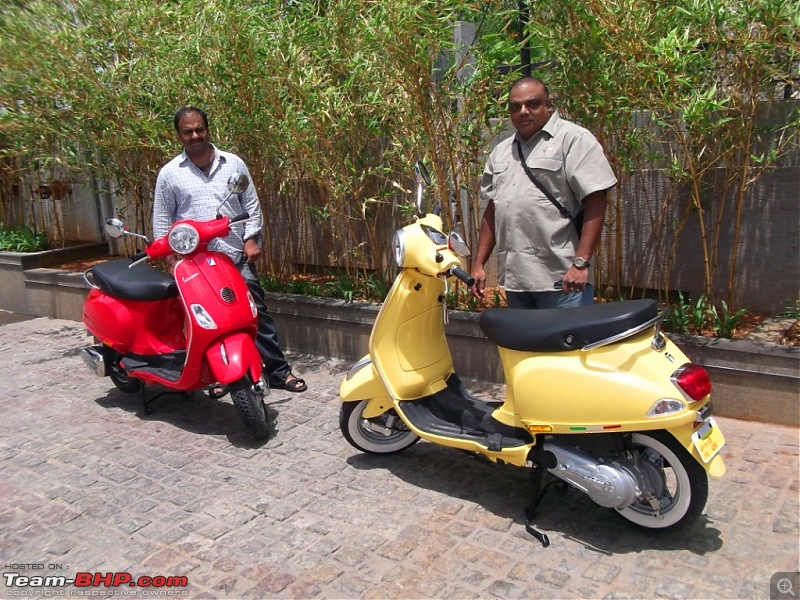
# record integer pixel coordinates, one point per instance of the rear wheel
(123, 381)
(676, 485)
(383, 434)
(251, 408)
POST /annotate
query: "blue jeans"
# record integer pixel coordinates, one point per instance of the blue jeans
(550, 299)
(275, 364)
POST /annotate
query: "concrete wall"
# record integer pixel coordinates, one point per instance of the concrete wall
(20, 272)
(73, 213)
(767, 277)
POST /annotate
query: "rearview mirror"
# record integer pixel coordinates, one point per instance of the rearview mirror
(115, 228)
(423, 178)
(237, 183)
(458, 244)
(421, 174)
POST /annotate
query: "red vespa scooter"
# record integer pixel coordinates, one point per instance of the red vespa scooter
(184, 333)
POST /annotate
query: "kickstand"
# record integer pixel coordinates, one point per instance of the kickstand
(537, 493)
(148, 410)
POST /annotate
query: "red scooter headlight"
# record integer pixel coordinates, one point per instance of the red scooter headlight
(693, 381)
(183, 238)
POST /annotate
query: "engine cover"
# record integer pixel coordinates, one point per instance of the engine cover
(609, 485)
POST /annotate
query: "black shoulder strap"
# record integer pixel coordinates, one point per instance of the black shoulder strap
(564, 212)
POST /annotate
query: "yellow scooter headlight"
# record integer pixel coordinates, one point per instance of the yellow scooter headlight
(399, 247)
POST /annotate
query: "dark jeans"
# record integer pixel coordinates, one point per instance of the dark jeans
(276, 366)
(550, 299)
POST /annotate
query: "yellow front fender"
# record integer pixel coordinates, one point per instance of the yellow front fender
(363, 383)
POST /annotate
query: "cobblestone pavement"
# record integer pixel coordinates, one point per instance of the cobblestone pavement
(90, 485)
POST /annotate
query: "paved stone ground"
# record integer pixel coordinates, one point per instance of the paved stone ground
(88, 484)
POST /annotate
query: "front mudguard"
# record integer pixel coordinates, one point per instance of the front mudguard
(233, 355)
(362, 382)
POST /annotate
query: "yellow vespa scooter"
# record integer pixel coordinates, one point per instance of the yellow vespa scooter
(633, 430)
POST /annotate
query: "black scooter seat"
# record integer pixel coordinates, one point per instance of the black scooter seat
(142, 282)
(563, 329)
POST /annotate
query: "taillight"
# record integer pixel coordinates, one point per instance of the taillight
(693, 380)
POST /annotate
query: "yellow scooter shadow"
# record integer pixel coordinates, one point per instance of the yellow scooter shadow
(564, 514)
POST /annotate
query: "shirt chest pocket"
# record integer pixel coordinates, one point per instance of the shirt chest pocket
(501, 175)
(549, 171)
(500, 168)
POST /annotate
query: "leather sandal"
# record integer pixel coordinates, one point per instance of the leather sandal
(217, 391)
(295, 384)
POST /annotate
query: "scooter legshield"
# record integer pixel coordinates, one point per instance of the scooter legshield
(233, 355)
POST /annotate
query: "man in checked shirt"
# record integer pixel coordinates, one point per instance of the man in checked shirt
(191, 186)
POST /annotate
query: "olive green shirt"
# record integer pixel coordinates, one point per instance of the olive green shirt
(535, 244)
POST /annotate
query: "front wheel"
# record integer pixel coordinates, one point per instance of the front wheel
(676, 487)
(251, 408)
(383, 434)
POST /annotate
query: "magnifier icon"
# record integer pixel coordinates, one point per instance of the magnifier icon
(785, 587)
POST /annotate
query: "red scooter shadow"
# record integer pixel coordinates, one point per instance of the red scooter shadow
(195, 412)
(564, 514)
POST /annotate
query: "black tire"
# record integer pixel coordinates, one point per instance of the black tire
(683, 488)
(123, 381)
(251, 408)
(355, 431)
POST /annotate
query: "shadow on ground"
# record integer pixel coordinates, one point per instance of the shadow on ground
(194, 412)
(504, 490)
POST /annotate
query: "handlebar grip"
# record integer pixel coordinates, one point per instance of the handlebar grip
(461, 274)
(242, 217)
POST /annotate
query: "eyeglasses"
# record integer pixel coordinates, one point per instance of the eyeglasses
(533, 104)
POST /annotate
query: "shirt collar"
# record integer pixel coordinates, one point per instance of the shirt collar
(549, 129)
(217, 156)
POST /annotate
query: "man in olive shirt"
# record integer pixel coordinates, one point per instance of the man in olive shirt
(543, 262)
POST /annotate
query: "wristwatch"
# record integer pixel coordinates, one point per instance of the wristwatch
(581, 263)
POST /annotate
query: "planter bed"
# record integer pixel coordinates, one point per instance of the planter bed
(14, 267)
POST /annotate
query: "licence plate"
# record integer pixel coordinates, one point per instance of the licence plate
(708, 440)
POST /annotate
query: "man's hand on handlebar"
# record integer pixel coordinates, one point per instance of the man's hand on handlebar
(478, 289)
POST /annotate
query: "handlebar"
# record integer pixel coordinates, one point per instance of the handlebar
(242, 217)
(138, 258)
(462, 275)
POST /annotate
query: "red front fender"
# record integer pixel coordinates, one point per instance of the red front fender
(231, 356)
